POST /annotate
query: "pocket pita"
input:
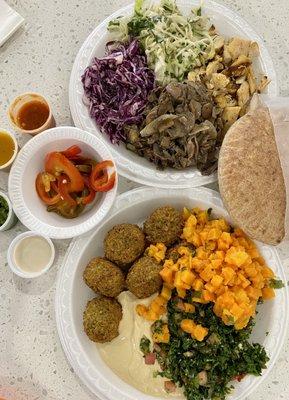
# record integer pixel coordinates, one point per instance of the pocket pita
(250, 177)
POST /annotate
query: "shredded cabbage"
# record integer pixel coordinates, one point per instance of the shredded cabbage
(116, 88)
(174, 44)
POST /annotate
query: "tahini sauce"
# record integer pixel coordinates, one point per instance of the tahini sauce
(123, 355)
(32, 254)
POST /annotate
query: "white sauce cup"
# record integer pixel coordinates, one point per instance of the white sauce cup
(11, 251)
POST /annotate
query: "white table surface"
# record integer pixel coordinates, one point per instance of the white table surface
(39, 58)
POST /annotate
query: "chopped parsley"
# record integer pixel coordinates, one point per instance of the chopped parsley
(4, 210)
(145, 345)
(276, 284)
(157, 326)
(223, 356)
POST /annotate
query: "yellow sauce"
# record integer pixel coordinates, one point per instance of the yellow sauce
(7, 148)
(123, 355)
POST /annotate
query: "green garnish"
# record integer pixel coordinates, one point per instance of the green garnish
(4, 210)
(276, 284)
(145, 345)
(157, 327)
(206, 369)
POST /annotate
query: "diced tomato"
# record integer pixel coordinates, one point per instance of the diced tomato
(63, 186)
(150, 359)
(240, 377)
(57, 164)
(72, 151)
(170, 387)
(46, 197)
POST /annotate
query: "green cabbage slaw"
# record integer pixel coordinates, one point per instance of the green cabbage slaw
(174, 44)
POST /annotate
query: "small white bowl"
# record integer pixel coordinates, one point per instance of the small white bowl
(11, 218)
(30, 161)
(10, 255)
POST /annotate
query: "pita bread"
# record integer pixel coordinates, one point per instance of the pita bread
(250, 177)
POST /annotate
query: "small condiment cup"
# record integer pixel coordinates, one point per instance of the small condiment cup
(16, 106)
(11, 218)
(11, 251)
(6, 167)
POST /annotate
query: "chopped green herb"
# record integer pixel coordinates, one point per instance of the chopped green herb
(223, 356)
(145, 345)
(4, 210)
(157, 326)
(276, 284)
(197, 294)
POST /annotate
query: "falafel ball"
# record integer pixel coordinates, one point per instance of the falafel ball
(164, 225)
(144, 278)
(101, 319)
(123, 244)
(104, 277)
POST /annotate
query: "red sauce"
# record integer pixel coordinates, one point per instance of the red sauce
(32, 115)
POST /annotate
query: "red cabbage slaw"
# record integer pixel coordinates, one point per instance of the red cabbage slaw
(116, 88)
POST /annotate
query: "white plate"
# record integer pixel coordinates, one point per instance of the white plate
(30, 161)
(72, 295)
(131, 165)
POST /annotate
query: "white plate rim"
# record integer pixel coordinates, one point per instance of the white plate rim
(16, 177)
(128, 168)
(70, 346)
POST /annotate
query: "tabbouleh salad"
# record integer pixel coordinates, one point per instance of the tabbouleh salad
(4, 210)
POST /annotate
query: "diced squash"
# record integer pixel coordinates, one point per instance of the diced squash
(228, 273)
(188, 277)
(268, 293)
(166, 292)
(216, 281)
(207, 274)
(199, 333)
(167, 275)
(226, 269)
(198, 284)
(189, 308)
(181, 293)
(187, 325)
(208, 296)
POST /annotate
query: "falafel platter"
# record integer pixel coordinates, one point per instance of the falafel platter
(171, 290)
(176, 301)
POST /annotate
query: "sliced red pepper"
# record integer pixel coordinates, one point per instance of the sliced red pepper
(45, 196)
(57, 164)
(99, 180)
(105, 187)
(63, 186)
(72, 151)
(91, 195)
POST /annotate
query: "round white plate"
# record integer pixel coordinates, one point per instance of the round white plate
(129, 164)
(30, 161)
(72, 294)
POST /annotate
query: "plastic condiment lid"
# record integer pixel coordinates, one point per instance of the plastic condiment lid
(11, 255)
